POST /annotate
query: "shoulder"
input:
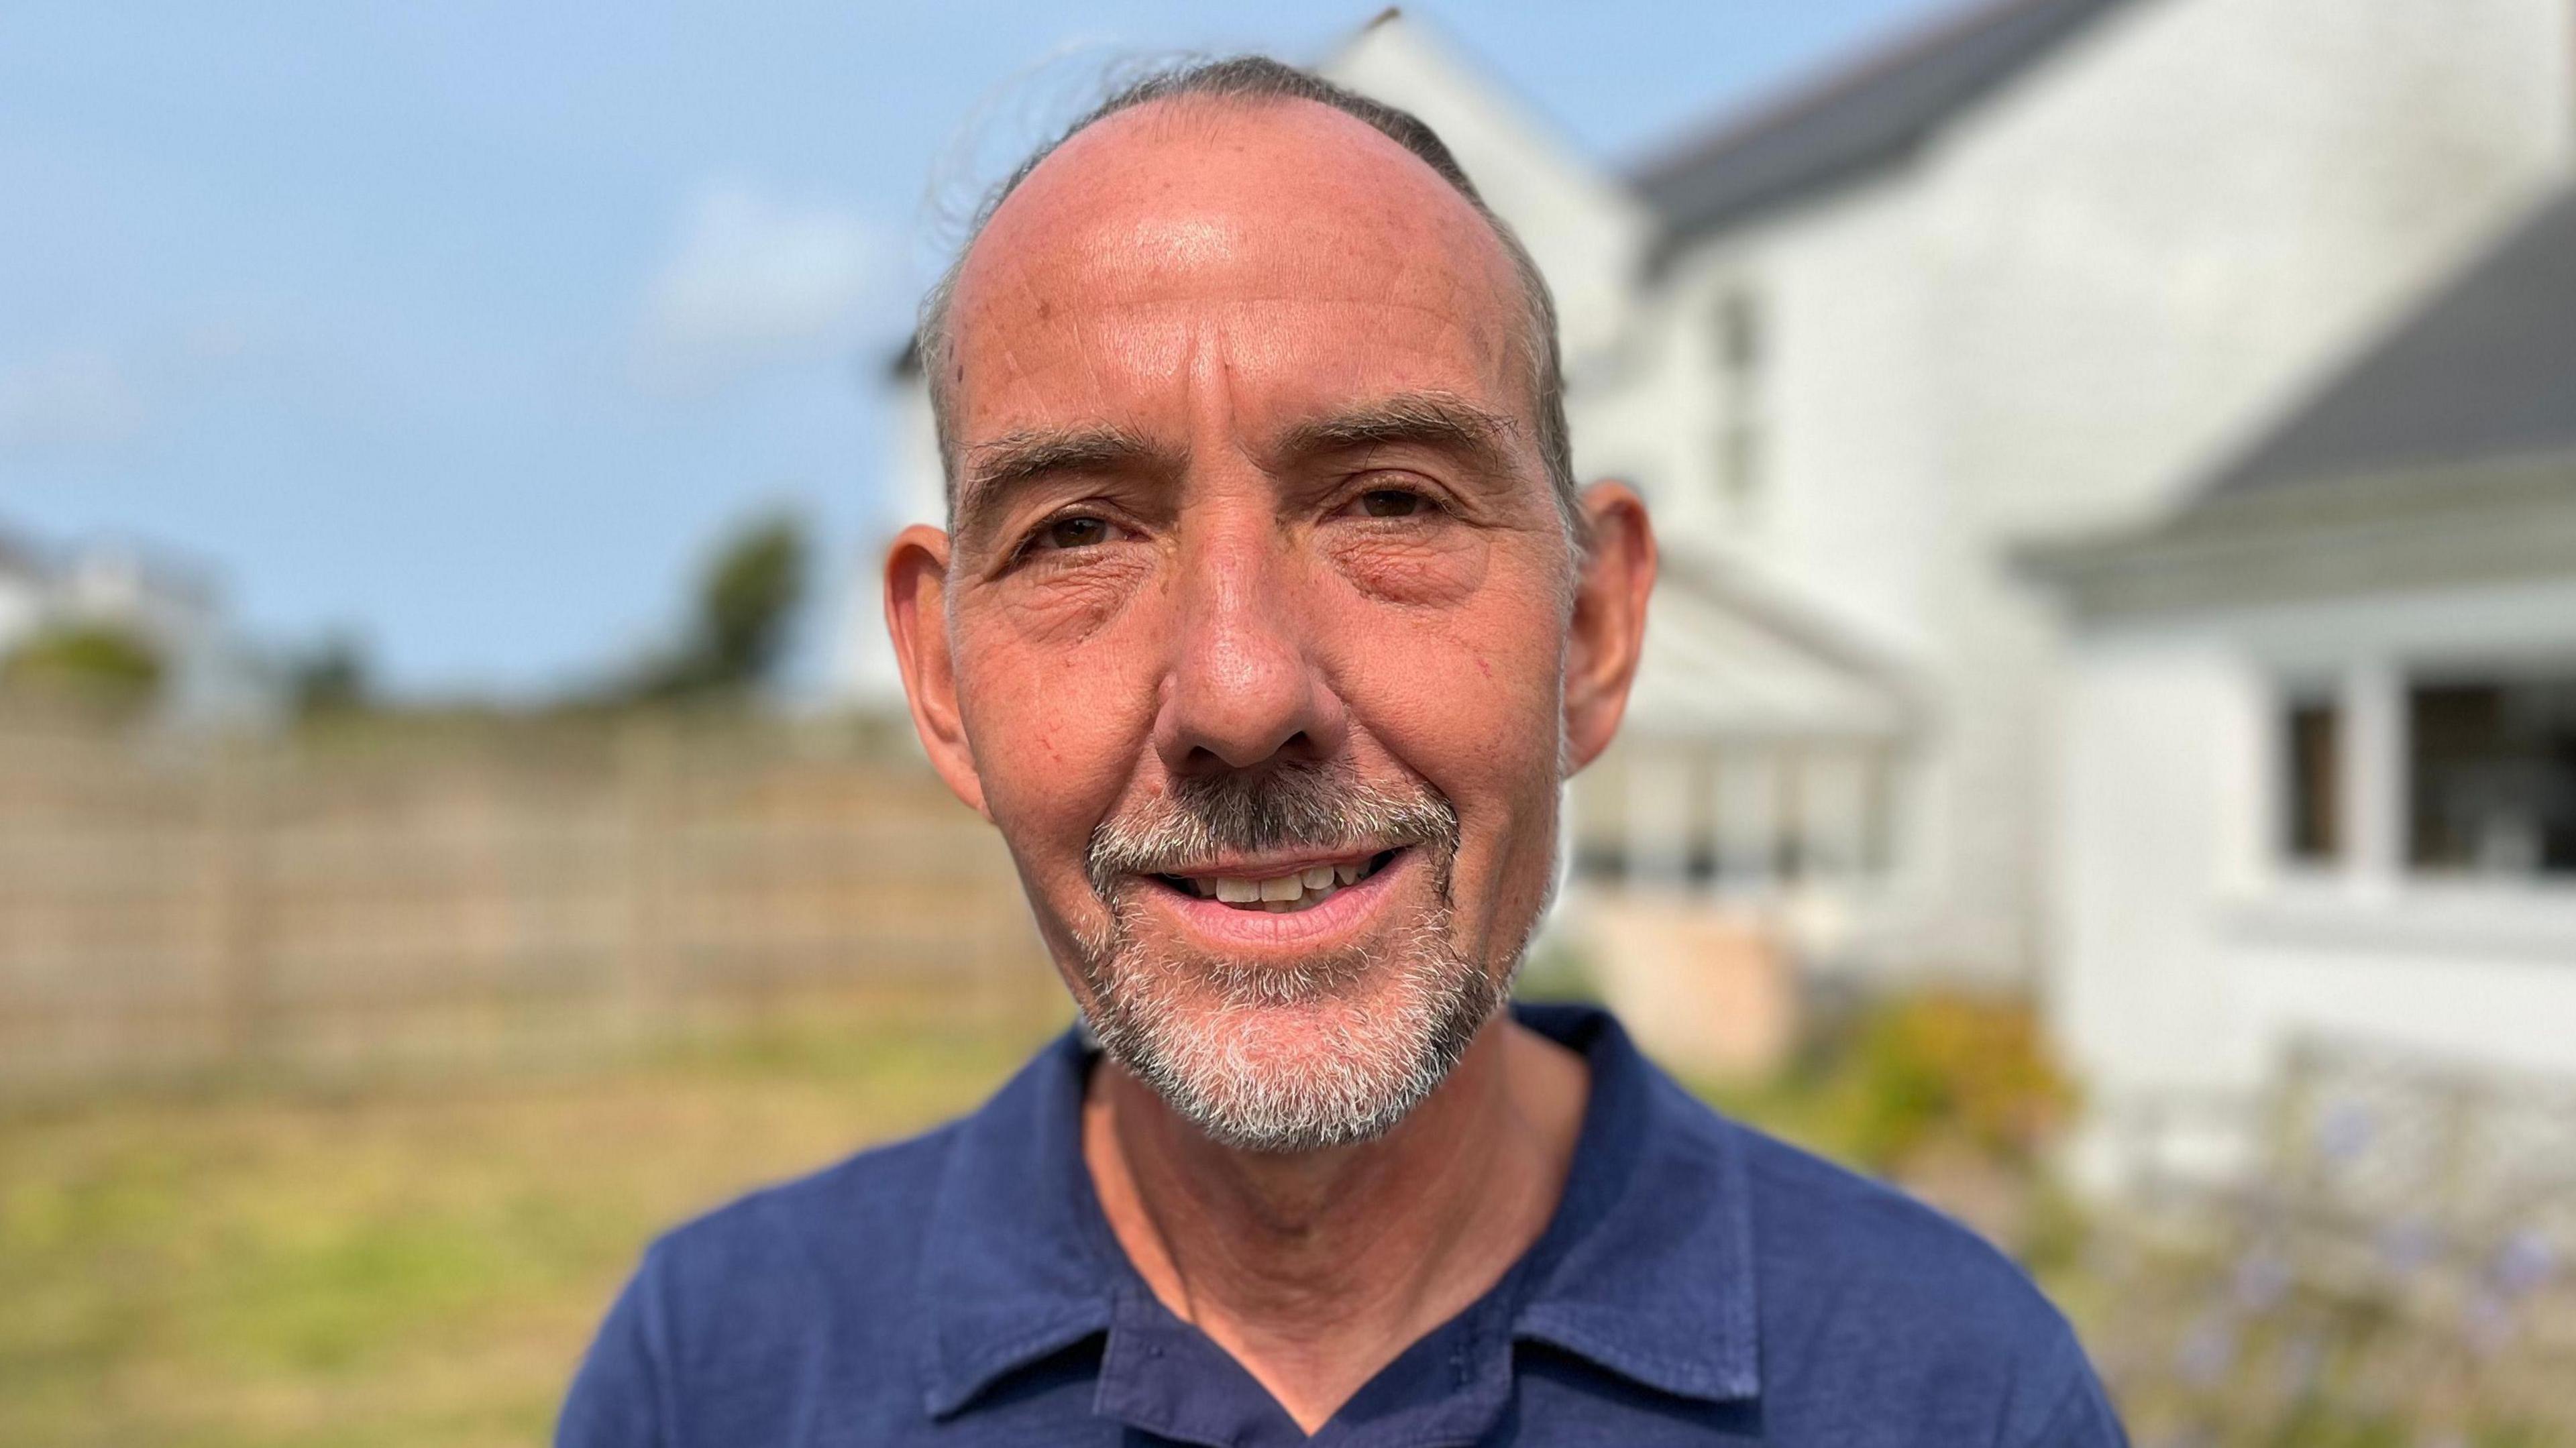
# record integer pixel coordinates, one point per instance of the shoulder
(851, 1227)
(767, 1278)
(1819, 1226)
(735, 1315)
(1868, 1296)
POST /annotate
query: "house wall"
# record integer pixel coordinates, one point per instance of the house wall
(864, 672)
(21, 607)
(1848, 509)
(1847, 487)
(2089, 289)
(2190, 953)
(2161, 735)
(2148, 251)
(2164, 236)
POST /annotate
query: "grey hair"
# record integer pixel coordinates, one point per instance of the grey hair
(1255, 79)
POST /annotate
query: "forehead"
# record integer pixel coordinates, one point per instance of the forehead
(1284, 244)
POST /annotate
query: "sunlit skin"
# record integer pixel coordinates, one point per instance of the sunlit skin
(1174, 554)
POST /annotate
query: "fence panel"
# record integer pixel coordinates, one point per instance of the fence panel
(167, 908)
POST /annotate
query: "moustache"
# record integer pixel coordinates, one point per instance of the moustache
(1326, 809)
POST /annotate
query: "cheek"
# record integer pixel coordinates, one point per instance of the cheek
(1056, 717)
(1467, 695)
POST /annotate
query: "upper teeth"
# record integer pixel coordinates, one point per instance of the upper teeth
(1280, 892)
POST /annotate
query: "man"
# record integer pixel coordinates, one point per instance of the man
(1267, 626)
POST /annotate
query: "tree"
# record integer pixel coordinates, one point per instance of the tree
(743, 621)
(747, 605)
(330, 678)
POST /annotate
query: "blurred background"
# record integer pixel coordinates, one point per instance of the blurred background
(2106, 758)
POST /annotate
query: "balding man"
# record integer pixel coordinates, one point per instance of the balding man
(1267, 626)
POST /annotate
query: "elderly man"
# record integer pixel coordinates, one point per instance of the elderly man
(1266, 629)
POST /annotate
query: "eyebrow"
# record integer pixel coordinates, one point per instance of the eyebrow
(1440, 421)
(1015, 460)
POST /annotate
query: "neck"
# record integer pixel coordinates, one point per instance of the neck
(1315, 1269)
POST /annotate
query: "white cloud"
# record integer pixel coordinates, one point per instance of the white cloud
(103, 392)
(80, 396)
(754, 280)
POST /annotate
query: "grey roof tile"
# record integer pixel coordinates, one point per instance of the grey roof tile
(1856, 119)
(2484, 370)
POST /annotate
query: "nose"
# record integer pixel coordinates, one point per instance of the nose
(1244, 686)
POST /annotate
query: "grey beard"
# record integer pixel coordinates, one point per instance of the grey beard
(1182, 1026)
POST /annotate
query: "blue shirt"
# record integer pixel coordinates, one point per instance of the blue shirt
(1699, 1284)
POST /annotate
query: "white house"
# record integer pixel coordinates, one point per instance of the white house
(2318, 776)
(2023, 273)
(171, 606)
(2027, 272)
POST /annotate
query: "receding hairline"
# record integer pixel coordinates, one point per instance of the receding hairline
(1190, 116)
(1253, 83)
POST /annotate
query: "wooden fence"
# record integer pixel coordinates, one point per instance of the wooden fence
(169, 907)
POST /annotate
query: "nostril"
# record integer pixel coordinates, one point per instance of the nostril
(1299, 747)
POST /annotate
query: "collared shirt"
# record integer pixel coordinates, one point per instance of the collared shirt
(1699, 1284)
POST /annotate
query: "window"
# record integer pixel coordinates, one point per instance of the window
(2313, 774)
(2491, 775)
(1735, 815)
(1739, 334)
(1739, 462)
(1740, 344)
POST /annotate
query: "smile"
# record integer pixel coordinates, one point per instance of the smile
(1299, 888)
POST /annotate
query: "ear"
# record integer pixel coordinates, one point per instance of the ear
(1608, 630)
(916, 607)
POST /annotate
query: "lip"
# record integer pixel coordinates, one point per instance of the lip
(1343, 916)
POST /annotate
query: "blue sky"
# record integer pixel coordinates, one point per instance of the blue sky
(465, 327)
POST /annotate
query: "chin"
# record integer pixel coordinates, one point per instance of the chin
(1330, 1052)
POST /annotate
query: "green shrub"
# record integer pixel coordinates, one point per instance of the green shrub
(87, 665)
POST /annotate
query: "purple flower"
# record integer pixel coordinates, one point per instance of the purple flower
(2345, 1131)
(2523, 1263)
(2261, 1279)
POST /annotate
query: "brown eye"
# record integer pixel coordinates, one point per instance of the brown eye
(1390, 503)
(1075, 532)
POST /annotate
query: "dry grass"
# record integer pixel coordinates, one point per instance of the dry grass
(405, 1265)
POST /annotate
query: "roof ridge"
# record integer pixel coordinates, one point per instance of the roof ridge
(1857, 116)
(1835, 78)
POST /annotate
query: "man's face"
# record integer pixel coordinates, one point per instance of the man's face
(1256, 606)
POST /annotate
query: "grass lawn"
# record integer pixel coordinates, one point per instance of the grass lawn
(406, 1265)
(415, 1263)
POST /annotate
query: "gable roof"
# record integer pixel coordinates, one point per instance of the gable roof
(1734, 653)
(2483, 371)
(2445, 454)
(1856, 118)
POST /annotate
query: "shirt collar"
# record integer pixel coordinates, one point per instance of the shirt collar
(1645, 1271)
(1017, 1261)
